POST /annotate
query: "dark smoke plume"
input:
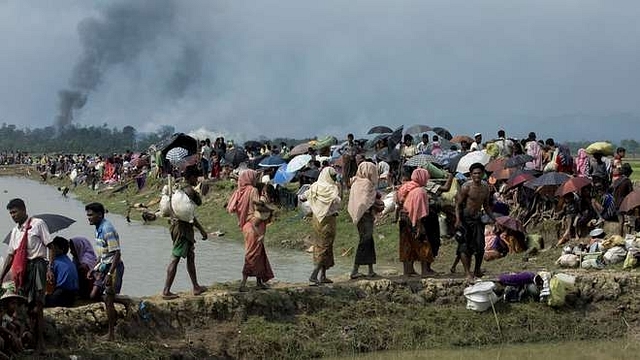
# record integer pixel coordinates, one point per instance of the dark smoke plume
(122, 32)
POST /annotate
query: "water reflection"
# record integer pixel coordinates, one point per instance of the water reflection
(146, 249)
(578, 350)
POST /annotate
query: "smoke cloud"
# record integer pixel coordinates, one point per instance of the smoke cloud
(119, 35)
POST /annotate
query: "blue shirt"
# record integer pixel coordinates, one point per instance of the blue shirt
(66, 273)
(107, 242)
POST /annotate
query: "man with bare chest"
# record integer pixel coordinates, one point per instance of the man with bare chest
(473, 197)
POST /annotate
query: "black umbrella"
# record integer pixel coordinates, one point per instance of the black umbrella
(453, 162)
(415, 129)
(235, 156)
(518, 160)
(252, 144)
(388, 155)
(54, 223)
(442, 132)
(178, 140)
(396, 136)
(548, 179)
(377, 139)
(380, 130)
(311, 174)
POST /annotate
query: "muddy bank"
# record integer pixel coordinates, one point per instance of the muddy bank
(294, 321)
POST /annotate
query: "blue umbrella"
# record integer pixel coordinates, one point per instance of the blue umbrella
(282, 176)
(272, 161)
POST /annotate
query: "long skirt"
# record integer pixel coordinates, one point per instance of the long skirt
(413, 245)
(256, 262)
(323, 247)
(366, 252)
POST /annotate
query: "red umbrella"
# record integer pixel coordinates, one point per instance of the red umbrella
(573, 184)
(630, 202)
(495, 165)
(504, 174)
(519, 179)
(510, 223)
(300, 149)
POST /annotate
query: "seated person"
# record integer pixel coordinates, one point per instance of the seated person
(66, 275)
(84, 257)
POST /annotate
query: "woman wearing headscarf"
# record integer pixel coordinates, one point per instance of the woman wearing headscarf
(256, 262)
(85, 259)
(244, 197)
(324, 199)
(364, 202)
(582, 163)
(413, 201)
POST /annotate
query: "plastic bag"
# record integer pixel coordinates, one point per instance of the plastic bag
(630, 261)
(568, 261)
(165, 202)
(615, 255)
(560, 285)
(183, 208)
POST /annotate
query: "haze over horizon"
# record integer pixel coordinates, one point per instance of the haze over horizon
(567, 70)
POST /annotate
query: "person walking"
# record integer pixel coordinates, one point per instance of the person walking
(324, 199)
(183, 238)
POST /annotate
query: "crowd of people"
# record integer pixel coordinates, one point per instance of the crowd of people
(483, 193)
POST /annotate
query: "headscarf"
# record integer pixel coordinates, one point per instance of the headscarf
(582, 163)
(323, 195)
(414, 196)
(534, 150)
(363, 190)
(242, 200)
(84, 251)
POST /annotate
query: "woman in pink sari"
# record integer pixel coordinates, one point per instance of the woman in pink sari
(256, 262)
(244, 197)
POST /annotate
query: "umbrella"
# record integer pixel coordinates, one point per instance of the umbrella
(520, 179)
(420, 160)
(377, 139)
(518, 160)
(415, 129)
(445, 156)
(461, 138)
(300, 149)
(549, 179)
(573, 184)
(176, 154)
(298, 162)
(454, 160)
(602, 147)
(140, 161)
(282, 176)
(186, 161)
(272, 161)
(510, 223)
(442, 132)
(388, 155)
(396, 137)
(235, 156)
(630, 202)
(504, 174)
(54, 223)
(380, 130)
(177, 140)
(471, 158)
(252, 144)
(311, 174)
(495, 165)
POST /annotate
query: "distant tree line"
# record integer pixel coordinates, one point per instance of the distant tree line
(78, 139)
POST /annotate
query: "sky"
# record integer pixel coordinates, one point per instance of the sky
(300, 68)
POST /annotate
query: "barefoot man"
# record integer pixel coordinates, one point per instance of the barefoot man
(472, 198)
(184, 239)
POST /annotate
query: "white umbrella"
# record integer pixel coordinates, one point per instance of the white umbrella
(298, 162)
(472, 158)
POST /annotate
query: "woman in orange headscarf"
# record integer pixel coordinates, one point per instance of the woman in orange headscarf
(413, 201)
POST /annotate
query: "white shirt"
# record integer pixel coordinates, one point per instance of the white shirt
(38, 239)
(475, 146)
